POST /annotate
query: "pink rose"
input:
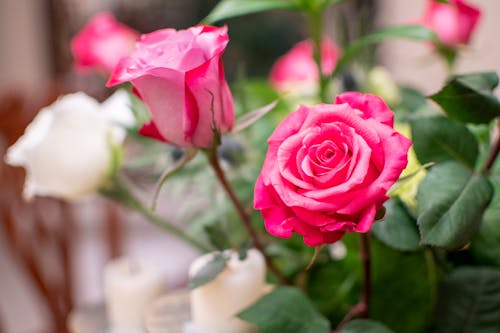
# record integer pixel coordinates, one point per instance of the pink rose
(297, 71)
(453, 22)
(180, 77)
(328, 169)
(102, 43)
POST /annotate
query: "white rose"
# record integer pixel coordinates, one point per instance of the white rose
(114, 109)
(67, 150)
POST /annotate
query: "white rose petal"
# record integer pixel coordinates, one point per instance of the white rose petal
(117, 109)
(66, 149)
(33, 135)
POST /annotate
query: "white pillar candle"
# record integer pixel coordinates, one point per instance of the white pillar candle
(130, 287)
(215, 304)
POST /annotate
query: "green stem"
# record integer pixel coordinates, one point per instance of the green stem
(316, 31)
(118, 192)
(245, 217)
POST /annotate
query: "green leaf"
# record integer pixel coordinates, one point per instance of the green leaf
(413, 32)
(333, 2)
(244, 247)
(451, 202)
(439, 139)
(469, 301)
(485, 81)
(315, 6)
(403, 285)
(412, 99)
(469, 98)
(341, 278)
(285, 310)
(486, 245)
(232, 8)
(365, 326)
(398, 229)
(251, 117)
(217, 236)
(189, 154)
(208, 272)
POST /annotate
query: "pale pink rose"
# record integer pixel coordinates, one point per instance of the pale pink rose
(453, 22)
(328, 169)
(102, 43)
(297, 70)
(180, 77)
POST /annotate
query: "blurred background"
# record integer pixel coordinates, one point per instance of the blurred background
(52, 253)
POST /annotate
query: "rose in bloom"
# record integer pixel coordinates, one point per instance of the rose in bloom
(102, 43)
(180, 77)
(453, 22)
(296, 71)
(328, 169)
(67, 150)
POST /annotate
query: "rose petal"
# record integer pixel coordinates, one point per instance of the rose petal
(151, 131)
(165, 100)
(372, 106)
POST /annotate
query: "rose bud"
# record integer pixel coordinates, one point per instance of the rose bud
(179, 75)
(102, 43)
(328, 169)
(454, 21)
(67, 150)
(297, 72)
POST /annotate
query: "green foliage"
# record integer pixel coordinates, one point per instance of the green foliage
(469, 301)
(291, 255)
(453, 207)
(217, 236)
(411, 101)
(451, 202)
(403, 288)
(316, 6)
(412, 98)
(243, 250)
(226, 9)
(440, 139)
(486, 245)
(469, 98)
(188, 155)
(341, 278)
(333, 2)
(251, 117)
(364, 326)
(232, 8)
(285, 310)
(209, 271)
(412, 32)
(398, 229)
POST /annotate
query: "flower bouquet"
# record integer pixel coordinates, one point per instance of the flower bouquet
(370, 208)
